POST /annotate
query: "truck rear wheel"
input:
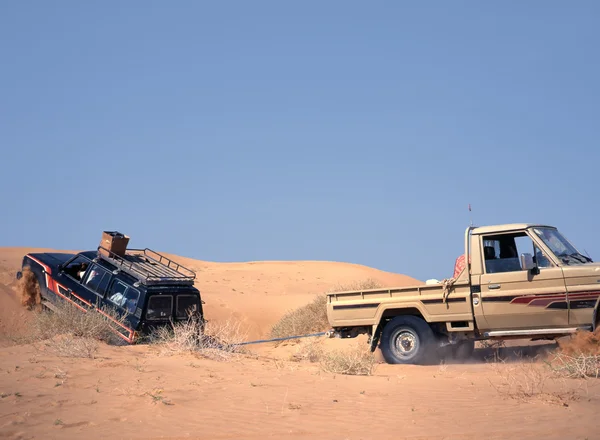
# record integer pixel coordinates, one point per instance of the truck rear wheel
(407, 340)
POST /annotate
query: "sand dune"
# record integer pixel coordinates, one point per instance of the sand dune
(132, 392)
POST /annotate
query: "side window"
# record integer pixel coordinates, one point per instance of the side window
(97, 279)
(501, 252)
(124, 296)
(77, 268)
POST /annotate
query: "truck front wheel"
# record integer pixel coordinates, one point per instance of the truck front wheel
(407, 340)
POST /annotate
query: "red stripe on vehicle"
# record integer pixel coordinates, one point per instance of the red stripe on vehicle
(527, 299)
(46, 268)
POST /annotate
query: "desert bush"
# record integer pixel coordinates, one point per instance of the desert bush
(68, 331)
(578, 356)
(578, 366)
(357, 361)
(310, 350)
(67, 319)
(218, 341)
(312, 317)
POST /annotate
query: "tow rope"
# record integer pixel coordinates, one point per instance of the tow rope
(260, 341)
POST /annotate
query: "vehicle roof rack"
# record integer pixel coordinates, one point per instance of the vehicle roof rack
(149, 267)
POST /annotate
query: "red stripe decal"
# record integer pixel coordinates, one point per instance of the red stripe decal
(46, 268)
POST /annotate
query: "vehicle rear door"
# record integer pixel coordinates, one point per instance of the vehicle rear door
(515, 298)
(96, 281)
(123, 297)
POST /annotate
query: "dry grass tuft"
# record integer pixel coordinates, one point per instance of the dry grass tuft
(529, 381)
(309, 350)
(357, 360)
(578, 356)
(312, 317)
(579, 366)
(219, 341)
(67, 331)
(66, 319)
(73, 347)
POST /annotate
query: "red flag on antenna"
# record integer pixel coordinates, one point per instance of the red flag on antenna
(469, 207)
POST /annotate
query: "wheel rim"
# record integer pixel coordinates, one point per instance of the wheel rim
(405, 343)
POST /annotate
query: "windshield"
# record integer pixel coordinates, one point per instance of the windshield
(560, 246)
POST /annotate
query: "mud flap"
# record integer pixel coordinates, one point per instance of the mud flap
(595, 316)
(374, 341)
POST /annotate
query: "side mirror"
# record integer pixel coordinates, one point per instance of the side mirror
(528, 264)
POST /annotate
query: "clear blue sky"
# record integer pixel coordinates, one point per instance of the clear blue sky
(269, 130)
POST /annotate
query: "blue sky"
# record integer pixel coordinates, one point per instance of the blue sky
(340, 130)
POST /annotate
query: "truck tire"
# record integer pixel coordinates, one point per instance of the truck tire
(407, 340)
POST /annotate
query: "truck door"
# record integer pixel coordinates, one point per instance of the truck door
(68, 281)
(514, 298)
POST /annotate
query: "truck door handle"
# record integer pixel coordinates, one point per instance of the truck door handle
(494, 286)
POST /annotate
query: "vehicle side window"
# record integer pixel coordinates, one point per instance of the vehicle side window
(77, 268)
(124, 296)
(97, 279)
(501, 252)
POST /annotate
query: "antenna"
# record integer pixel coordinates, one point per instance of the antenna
(470, 217)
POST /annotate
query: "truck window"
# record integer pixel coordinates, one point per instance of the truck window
(159, 307)
(97, 279)
(501, 252)
(76, 268)
(186, 305)
(124, 296)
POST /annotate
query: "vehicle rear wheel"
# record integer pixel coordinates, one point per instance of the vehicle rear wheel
(407, 340)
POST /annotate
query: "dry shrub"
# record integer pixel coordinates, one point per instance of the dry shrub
(526, 381)
(582, 342)
(67, 331)
(310, 349)
(312, 317)
(73, 347)
(580, 366)
(357, 361)
(578, 356)
(307, 319)
(28, 289)
(219, 341)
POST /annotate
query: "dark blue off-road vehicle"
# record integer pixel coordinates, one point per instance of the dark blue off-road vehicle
(146, 288)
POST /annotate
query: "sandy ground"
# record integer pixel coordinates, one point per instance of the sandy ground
(134, 392)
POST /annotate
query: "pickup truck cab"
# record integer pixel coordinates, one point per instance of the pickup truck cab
(144, 287)
(513, 281)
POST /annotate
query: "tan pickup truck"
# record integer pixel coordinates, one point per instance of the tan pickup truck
(513, 281)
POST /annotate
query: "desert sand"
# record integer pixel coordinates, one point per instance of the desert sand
(135, 392)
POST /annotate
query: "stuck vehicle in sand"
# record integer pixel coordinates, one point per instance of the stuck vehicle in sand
(513, 281)
(146, 289)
